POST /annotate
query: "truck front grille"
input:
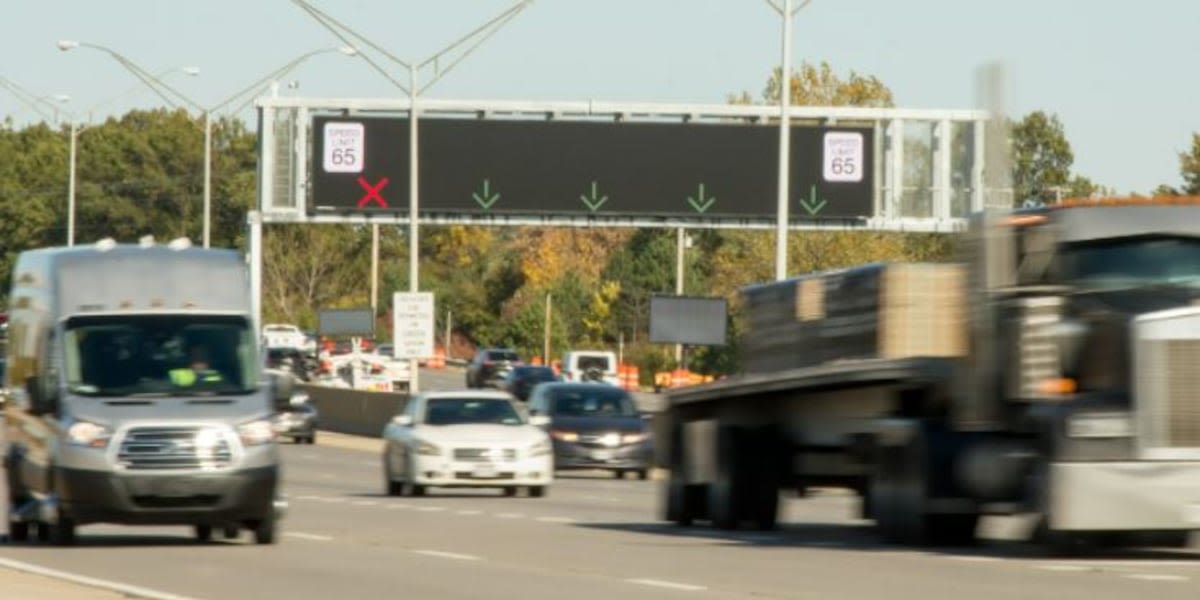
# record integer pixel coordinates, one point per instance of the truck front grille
(1167, 383)
(174, 448)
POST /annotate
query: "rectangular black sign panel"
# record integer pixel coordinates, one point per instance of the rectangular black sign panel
(345, 322)
(687, 320)
(574, 168)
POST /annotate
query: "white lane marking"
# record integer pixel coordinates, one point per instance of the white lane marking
(1063, 568)
(450, 555)
(113, 586)
(431, 508)
(1148, 563)
(317, 498)
(308, 536)
(510, 515)
(1153, 577)
(396, 506)
(470, 512)
(364, 503)
(328, 476)
(556, 519)
(672, 585)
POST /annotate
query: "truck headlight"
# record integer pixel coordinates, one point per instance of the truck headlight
(425, 448)
(1100, 425)
(88, 434)
(541, 448)
(256, 433)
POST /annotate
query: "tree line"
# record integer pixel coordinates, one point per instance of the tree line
(140, 174)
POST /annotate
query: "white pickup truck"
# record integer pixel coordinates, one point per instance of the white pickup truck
(277, 335)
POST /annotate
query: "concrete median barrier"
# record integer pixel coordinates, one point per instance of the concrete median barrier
(354, 411)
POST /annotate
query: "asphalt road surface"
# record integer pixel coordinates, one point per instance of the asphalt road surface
(591, 537)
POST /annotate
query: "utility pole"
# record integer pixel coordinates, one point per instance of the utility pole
(546, 332)
(785, 134)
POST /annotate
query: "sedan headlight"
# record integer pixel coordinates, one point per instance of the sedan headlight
(541, 448)
(256, 433)
(1100, 425)
(425, 448)
(88, 434)
(633, 438)
(565, 436)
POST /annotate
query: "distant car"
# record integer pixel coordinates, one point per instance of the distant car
(590, 365)
(593, 426)
(490, 365)
(523, 378)
(466, 438)
(298, 421)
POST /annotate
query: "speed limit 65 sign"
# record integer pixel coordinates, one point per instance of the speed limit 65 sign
(843, 156)
(344, 144)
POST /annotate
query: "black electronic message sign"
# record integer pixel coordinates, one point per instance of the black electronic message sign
(574, 168)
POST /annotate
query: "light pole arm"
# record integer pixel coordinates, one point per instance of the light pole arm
(156, 84)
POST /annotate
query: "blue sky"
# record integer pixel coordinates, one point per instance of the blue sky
(1120, 75)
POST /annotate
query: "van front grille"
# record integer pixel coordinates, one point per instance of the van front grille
(174, 448)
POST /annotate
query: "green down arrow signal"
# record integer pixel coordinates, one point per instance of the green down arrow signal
(699, 202)
(485, 197)
(811, 204)
(595, 200)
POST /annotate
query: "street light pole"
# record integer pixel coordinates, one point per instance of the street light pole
(156, 84)
(71, 185)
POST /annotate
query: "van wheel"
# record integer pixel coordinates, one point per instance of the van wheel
(203, 533)
(537, 491)
(264, 531)
(63, 532)
(18, 531)
(42, 529)
(231, 532)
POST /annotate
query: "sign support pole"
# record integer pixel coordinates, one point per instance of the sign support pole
(413, 204)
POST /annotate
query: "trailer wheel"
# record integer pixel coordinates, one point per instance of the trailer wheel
(907, 480)
(768, 461)
(680, 505)
(727, 492)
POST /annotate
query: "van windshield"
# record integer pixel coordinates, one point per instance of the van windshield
(148, 355)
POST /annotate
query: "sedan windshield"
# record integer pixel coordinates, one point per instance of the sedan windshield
(159, 355)
(464, 411)
(595, 401)
(1133, 263)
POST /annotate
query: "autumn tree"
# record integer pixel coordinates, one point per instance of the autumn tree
(818, 85)
(1189, 167)
(1041, 159)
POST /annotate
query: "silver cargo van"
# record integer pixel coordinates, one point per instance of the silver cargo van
(137, 394)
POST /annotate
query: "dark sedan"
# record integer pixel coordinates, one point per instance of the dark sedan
(298, 421)
(593, 426)
(521, 380)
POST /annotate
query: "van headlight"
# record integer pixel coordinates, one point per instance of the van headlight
(256, 433)
(541, 448)
(88, 434)
(425, 448)
(633, 438)
(1100, 425)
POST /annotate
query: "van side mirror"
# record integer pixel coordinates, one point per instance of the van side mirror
(282, 386)
(539, 420)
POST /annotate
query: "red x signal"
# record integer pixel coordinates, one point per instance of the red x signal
(372, 194)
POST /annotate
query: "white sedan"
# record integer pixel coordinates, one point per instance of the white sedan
(469, 438)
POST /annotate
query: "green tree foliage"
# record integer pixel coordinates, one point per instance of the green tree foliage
(1041, 158)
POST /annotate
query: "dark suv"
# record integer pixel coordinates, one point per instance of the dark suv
(490, 366)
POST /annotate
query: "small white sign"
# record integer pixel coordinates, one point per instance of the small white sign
(412, 324)
(344, 147)
(843, 156)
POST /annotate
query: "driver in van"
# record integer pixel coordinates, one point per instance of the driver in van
(197, 371)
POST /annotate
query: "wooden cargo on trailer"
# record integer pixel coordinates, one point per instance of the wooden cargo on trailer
(879, 310)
